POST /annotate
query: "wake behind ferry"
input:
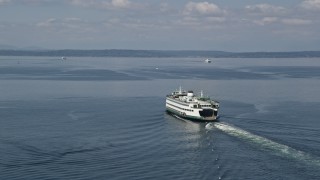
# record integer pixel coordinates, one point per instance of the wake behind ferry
(186, 105)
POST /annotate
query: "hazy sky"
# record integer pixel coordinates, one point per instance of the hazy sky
(228, 25)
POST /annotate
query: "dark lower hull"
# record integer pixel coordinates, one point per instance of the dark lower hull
(189, 118)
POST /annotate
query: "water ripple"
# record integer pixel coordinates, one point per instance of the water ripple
(267, 144)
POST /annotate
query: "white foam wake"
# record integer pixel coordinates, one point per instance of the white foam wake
(267, 144)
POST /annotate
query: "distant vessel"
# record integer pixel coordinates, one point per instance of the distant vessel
(207, 61)
(63, 58)
(188, 106)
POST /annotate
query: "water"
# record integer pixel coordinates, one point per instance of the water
(104, 118)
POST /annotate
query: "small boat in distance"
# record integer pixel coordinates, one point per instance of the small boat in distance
(63, 58)
(186, 105)
(207, 61)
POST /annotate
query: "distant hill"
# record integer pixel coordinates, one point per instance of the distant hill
(158, 53)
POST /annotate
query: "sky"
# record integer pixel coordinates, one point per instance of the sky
(222, 25)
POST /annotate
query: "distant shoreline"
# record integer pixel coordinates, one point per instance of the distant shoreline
(159, 53)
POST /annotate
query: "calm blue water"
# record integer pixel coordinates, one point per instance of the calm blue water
(104, 118)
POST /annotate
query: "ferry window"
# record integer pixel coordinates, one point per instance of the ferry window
(195, 106)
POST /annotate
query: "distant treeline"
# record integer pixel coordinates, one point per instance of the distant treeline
(158, 53)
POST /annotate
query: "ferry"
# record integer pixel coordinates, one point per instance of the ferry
(184, 104)
(207, 61)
